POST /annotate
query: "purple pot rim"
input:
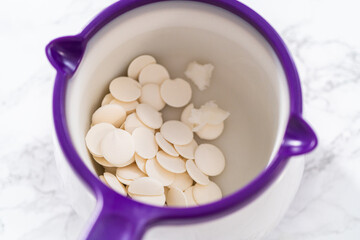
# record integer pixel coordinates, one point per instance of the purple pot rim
(228, 203)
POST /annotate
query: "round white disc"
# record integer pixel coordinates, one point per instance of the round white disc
(153, 73)
(176, 198)
(95, 135)
(154, 170)
(107, 99)
(125, 89)
(145, 144)
(206, 194)
(140, 162)
(210, 132)
(195, 173)
(209, 159)
(152, 200)
(114, 183)
(189, 196)
(146, 186)
(130, 172)
(118, 147)
(170, 163)
(124, 181)
(102, 161)
(111, 113)
(176, 93)
(150, 94)
(149, 116)
(132, 122)
(129, 107)
(182, 181)
(187, 151)
(138, 64)
(176, 132)
(165, 145)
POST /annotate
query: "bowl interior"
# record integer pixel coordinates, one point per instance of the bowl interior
(248, 80)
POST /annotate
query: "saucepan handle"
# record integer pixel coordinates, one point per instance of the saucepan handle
(116, 220)
(299, 137)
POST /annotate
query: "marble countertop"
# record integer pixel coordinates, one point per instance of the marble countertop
(324, 39)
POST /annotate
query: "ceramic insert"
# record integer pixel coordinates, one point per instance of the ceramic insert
(147, 159)
(252, 85)
(153, 73)
(187, 151)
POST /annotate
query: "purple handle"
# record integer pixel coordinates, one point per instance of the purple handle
(299, 137)
(115, 219)
(111, 226)
(65, 53)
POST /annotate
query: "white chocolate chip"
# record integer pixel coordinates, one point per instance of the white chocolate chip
(176, 198)
(186, 114)
(190, 197)
(187, 151)
(153, 200)
(102, 161)
(182, 181)
(124, 181)
(145, 144)
(129, 107)
(132, 122)
(130, 172)
(111, 113)
(210, 131)
(153, 73)
(107, 99)
(176, 132)
(95, 135)
(200, 74)
(165, 145)
(139, 64)
(140, 162)
(154, 170)
(125, 89)
(209, 113)
(176, 93)
(103, 180)
(209, 159)
(127, 163)
(114, 183)
(118, 147)
(151, 95)
(170, 163)
(206, 194)
(195, 173)
(149, 116)
(146, 186)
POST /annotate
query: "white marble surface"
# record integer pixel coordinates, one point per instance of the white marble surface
(324, 39)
